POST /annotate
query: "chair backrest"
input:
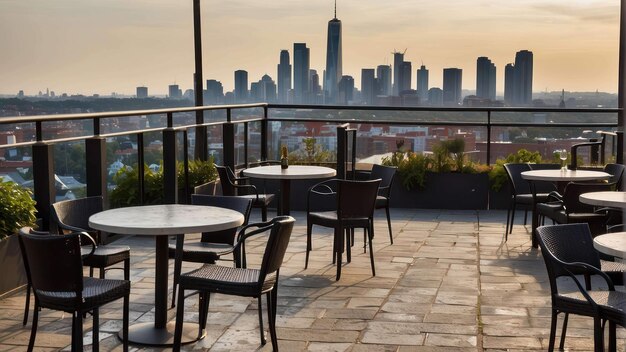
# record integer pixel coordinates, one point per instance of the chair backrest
(617, 172)
(53, 263)
(566, 243)
(205, 188)
(386, 174)
(356, 199)
(240, 204)
(514, 173)
(76, 212)
(226, 180)
(573, 190)
(276, 247)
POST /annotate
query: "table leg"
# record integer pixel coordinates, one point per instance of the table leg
(285, 190)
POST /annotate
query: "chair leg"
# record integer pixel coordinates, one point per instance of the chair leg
(525, 216)
(389, 223)
(178, 330)
(90, 271)
(203, 309)
(508, 222)
(127, 269)
(260, 308)
(77, 336)
(348, 242)
(271, 313)
(338, 250)
(95, 331)
(612, 337)
(178, 263)
(598, 335)
(101, 273)
(513, 210)
(264, 213)
(33, 329)
(370, 232)
(552, 330)
(125, 319)
(564, 331)
(309, 228)
(26, 305)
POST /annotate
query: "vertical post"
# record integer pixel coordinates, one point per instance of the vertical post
(141, 168)
(341, 151)
(170, 174)
(200, 149)
(264, 136)
(228, 141)
(488, 137)
(246, 137)
(43, 177)
(95, 154)
(186, 167)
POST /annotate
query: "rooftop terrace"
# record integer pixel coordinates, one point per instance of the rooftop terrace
(448, 283)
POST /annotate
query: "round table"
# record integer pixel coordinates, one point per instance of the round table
(612, 244)
(293, 172)
(605, 199)
(561, 177)
(161, 221)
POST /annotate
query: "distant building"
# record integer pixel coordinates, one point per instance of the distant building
(301, 56)
(263, 90)
(383, 78)
(241, 86)
(485, 78)
(142, 92)
(452, 79)
(435, 97)
(518, 79)
(346, 90)
(398, 59)
(20, 94)
(214, 93)
(175, 92)
(284, 77)
(508, 84)
(333, 70)
(422, 84)
(368, 86)
(316, 95)
(405, 77)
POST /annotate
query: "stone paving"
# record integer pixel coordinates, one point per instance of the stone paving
(448, 283)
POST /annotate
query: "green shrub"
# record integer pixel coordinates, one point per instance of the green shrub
(497, 175)
(17, 208)
(412, 168)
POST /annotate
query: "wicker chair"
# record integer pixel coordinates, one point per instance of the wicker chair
(386, 174)
(212, 278)
(355, 203)
(566, 253)
(54, 268)
(234, 186)
(212, 245)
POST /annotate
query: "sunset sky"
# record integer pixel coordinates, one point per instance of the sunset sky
(95, 46)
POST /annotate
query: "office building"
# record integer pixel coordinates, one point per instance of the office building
(142, 92)
(263, 91)
(383, 77)
(435, 97)
(241, 86)
(174, 91)
(509, 87)
(518, 80)
(452, 79)
(368, 86)
(422, 84)
(485, 78)
(214, 93)
(398, 59)
(284, 77)
(405, 77)
(301, 66)
(346, 90)
(333, 70)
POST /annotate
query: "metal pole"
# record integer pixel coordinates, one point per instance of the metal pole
(621, 89)
(200, 150)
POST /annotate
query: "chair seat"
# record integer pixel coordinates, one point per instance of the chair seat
(527, 198)
(226, 280)
(613, 303)
(105, 256)
(381, 202)
(329, 219)
(201, 252)
(264, 199)
(96, 292)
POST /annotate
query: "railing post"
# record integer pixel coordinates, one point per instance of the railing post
(95, 154)
(141, 168)
(341, 151)
(246, 137)
(264, 136)
(170, 174)
(43, 177)
(228, 141)
(488, 137)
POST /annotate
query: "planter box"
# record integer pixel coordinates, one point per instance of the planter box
(444, 191)
(13, 274)
(500, 199)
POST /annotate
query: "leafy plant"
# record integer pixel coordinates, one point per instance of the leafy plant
(17, 208)
(310, 153)
(498, 176)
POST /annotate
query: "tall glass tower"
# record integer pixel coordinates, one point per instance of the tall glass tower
(284, 77)
(333, 60)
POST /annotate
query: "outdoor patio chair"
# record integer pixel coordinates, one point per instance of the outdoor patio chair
(212, 245)
(245, 282)
(566, 253)
(28, 285)
(386, 174)
(54, 268)
(355, 203)
(617, 174)
(235, 186)
(73, 216)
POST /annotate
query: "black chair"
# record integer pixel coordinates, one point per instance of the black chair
(28, 285)
(54, 268)
(386, 174)
(617, 174)
(566, 253)
(571, 210)
(235, 186)
(212, 278)
(212, 245)
(355, 203)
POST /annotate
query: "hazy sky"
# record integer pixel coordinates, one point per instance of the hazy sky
(104, 46)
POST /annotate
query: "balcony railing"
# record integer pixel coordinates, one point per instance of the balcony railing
(238, 135)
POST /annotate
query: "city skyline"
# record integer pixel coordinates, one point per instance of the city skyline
(118, 46)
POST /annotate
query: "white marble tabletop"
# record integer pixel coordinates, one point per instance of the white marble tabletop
(293, 172)
(166, 219)
(564, 175)
(612, 244)
(605, 199)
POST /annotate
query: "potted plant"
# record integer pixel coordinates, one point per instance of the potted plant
(499, 194)
(17, 209)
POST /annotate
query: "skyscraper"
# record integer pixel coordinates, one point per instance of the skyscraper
(485, 78)
(406, 73)
(346, 90)
(452, 86)
(174, 91)
(241, 86)
(368, 86)
(333, 71)
(214, 92)
(422, 84)
(383, 75)
(284, 77)
(518, 79)
(142, 92)
(263, 90)
(301, 68)
(398, 59)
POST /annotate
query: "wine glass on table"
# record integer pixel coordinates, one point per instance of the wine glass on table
(563, 157)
